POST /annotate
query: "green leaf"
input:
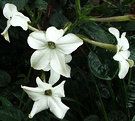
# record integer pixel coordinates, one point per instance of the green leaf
(11, 114)
(102, 64)
(58, 20)
(117, 116)
(19, 3)
(4, 78)
(38, 4)
(92, 118)
(130, 26)
(133, 118)
(5, 102)
(95, 32)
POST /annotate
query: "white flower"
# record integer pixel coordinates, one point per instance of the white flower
(15, 18)
(46, 96)
(52, 47)
(122, 54)
(54, 76)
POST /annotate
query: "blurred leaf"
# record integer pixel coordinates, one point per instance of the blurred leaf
(58, 20)
(95, 32)
(19, 3)
(133, 118)
(5, 102)
(117, 116)
(130, 26)
(11, 114)
(38, 4)
(92, 118)
(102, 65)
(4, 78)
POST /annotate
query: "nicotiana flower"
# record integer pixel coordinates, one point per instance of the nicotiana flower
(54, 76)
(122, 54)
(52, 47)
(46, 96)
(15, 18)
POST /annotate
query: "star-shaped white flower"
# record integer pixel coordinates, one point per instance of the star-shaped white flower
(122, 54)
(46, 96)
(15, 18)
(54, 76)
(51, 48)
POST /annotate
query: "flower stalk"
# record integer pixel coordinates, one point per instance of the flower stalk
(99, 44)
(32, 28)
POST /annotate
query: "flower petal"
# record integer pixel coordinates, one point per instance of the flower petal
(58, 91)
(37, 40)
(53, 34)
(118, 57)
(39, 106)
(35, 93)
(57, 107)
(68, 58)
(44, 86)
(40, 59)
(124, 66)
(68, 43)
(124, 42)
(125, 54)
(54, 77)
(115, 32)
(9, 10)
(130, 62)
(58, 63)
(18, 19)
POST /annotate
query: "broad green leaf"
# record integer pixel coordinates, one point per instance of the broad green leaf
(102, 64)
(19, 3)
(117, 116)
(95, 32)
(5, 102)
(92, 118)
(4, 78)
(38, 4)
(58, 20)
(130, 26)
(11, 114)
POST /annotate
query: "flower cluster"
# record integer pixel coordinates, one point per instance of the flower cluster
(53, 53)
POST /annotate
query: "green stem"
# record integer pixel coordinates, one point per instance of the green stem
(110, 19)
(111, 91)
(102, 105)
(126, 99)
(32, 28)
(99, 44)
(73, 25)
(129, 79)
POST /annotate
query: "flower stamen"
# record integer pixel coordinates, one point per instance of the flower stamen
(51, 45)
(48, 92)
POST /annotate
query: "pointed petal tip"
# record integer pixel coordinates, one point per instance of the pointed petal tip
(30, 116)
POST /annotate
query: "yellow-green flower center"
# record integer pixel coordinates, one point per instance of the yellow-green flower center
(48, 92)
(51, 45)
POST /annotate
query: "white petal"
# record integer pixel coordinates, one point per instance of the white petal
(37, 40)
(40, 59)
(39, 106)
(118, 57)
(58, 63)
(53, 34)
(47, 68)
(35, 93)
(130, 62)
(68, 43)
(54, 77)
(115, 32)
(6, 29)
(19, 19)
(125, 54)
(68, 58)
(124, 67)
(57, 107)
(44, 86)
(58, 91)
(9, 10)
(124, 42)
